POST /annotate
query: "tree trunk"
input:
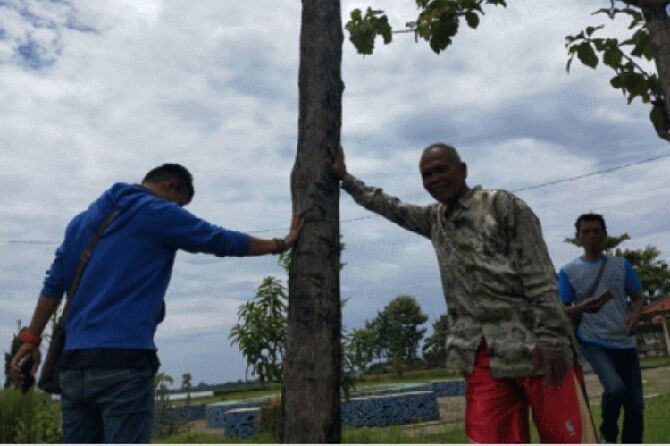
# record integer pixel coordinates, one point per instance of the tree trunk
(658, 22)
(311, 370)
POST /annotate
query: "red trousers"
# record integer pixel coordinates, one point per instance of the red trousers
(497, 410)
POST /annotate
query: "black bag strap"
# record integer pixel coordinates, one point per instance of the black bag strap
(83, 261)
(596, 282)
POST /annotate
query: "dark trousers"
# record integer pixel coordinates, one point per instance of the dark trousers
(107, 405)
(619, 372)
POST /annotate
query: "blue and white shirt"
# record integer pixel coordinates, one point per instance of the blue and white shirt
(605, 327)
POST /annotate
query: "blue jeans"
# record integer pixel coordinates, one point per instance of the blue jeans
(107, 405)
(619, 372)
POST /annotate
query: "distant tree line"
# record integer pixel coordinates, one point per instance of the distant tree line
(394, 340)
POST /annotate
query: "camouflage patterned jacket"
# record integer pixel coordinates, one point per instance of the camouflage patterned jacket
(497, 277)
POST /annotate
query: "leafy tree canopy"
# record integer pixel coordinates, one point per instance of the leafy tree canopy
(630, 58)
(437, 23)
(435, 346)
(398, 325)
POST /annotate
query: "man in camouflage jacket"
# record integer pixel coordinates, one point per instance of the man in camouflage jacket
(508, 332)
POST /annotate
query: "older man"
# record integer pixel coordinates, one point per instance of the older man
(508, 332)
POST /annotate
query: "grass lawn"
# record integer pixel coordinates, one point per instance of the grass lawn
(366, 382)
(654, 362)
(656, 428)
(657, 408)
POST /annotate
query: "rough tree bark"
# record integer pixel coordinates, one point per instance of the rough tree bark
(658, 22)
(311, 370)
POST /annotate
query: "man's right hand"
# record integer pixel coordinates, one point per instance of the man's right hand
(27, 349)
(337, 165)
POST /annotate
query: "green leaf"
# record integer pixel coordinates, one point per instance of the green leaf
(442, 31)
(587, 55)
(616, 81)
(472, 19)
(364, 29)
(635, 84)
(599, 44)
(613, 57)
(642, 44)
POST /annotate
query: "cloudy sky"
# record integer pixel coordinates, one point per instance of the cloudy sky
(97, 92)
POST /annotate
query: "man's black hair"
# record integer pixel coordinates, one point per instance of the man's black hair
(170, 171)
(590, 217)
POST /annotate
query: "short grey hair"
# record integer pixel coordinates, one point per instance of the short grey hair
(451, 151)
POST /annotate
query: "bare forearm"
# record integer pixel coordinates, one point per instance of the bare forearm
(259, 247)
(43, 311)
(637, 302)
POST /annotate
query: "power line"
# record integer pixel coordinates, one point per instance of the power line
(591, 174)
(349, 220)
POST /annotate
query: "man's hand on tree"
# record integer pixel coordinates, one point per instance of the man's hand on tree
(337, 164)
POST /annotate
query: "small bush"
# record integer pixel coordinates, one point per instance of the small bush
(169, 421)
(270, 418)
(30, 418)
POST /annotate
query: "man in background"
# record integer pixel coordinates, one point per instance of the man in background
(606, 327)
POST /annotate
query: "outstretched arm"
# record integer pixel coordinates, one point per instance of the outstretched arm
(414, 218)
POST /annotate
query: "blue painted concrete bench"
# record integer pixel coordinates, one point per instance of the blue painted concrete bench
(215, 413)
(399, 405)
(392, 408)
(241, 423)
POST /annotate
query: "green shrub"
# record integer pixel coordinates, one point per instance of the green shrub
(168, 421)
(270, 418)
(30, 418)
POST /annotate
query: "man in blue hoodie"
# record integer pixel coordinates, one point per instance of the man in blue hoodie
(109, 360)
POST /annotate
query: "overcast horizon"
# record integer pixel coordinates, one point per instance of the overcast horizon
(98, 92)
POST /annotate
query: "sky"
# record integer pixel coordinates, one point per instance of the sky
(92, 93)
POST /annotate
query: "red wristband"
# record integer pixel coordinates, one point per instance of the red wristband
(26, 336)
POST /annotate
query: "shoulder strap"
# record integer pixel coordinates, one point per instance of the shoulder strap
(83, 260)
(596, 282)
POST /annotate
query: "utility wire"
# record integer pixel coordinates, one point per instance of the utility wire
(349, 220)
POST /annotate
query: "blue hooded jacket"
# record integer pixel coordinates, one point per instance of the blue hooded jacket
(120, 296)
